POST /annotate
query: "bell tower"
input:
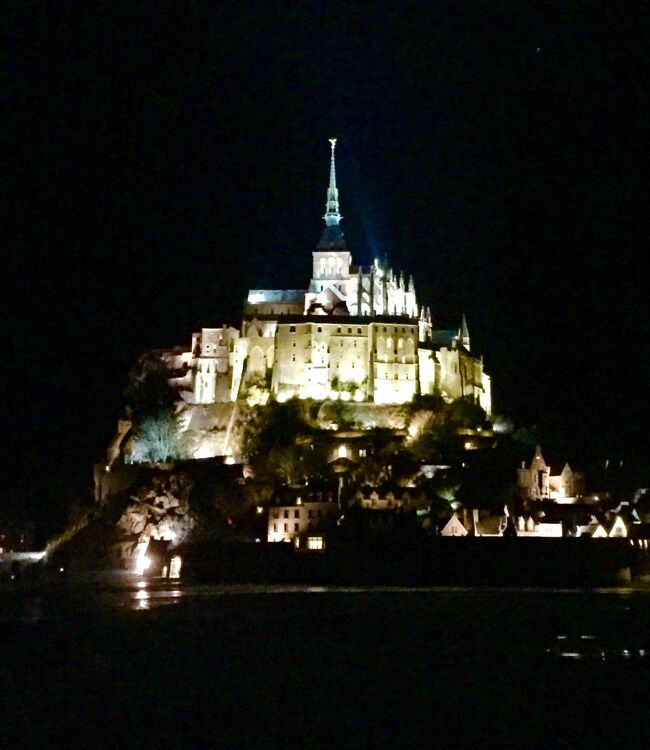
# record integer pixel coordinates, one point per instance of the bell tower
(331, 259)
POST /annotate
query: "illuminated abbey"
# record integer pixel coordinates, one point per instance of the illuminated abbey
(354, 333)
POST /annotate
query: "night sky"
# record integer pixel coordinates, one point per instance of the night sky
(165, 157)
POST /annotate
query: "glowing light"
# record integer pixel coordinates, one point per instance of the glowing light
(255, 298)
(142, 584)
(175, 567)
(619, 528)
(343, 451)
(142, 563)
(259, 510)
(345, 396)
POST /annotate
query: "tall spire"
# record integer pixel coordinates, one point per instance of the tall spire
(332, 214)
(332, 235)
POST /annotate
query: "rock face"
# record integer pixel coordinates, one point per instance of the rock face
(159, 510)
(205, 429)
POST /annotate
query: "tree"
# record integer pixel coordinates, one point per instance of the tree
(156, 439)
(274, 424)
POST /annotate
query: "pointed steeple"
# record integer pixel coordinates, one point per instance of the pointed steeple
(332, 213)
(332, 236)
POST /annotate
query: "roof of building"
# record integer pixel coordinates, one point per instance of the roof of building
(444, 338)
(258, 296)
(331, 238)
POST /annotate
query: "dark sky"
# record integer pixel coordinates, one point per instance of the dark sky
(165, 157)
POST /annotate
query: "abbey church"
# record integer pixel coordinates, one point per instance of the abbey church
(354, 333)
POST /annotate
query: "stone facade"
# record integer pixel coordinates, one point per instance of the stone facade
(541, 481)
(354, 333)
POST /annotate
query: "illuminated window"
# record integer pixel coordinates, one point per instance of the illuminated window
(315, 542)
(343, 451)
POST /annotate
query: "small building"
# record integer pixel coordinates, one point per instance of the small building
(543, 481)
(304, 523)
(453, 527)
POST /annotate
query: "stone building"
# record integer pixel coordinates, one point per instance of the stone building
(543, 481)
(355, 333)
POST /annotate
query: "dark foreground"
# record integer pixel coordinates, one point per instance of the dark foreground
(278, 667)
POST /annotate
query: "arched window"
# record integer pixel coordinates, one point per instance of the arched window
(256, 360)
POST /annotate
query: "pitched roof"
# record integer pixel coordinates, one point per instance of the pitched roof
(443, 338)
(332, 238)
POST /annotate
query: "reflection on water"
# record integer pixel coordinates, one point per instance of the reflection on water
(614, 647)
(146, 599)
(211, 666)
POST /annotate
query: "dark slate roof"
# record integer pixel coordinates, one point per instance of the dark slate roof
(275, 295)
(331, 237)
(443, 338)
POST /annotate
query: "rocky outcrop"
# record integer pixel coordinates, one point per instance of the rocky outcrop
(160, 509)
